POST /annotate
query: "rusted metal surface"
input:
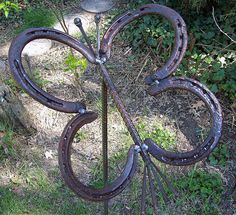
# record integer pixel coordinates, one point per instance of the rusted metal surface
(23, 79)
(174, 18)
(159, 82)
(82, 190)
(202, 151)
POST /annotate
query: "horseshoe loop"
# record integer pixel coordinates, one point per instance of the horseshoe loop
(211, 141)
(151, 9)
(88, 192)
(23, 79)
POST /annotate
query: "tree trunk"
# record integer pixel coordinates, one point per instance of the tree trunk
(12, 111)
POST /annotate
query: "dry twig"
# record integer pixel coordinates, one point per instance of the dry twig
(213, 15)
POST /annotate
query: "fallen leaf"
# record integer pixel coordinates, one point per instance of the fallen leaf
(49, 154)
(198, 104)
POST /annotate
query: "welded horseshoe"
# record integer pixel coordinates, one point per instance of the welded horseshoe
(82, 190)
(23, 79)
(175, 19)
(200, 152)
(160, 82)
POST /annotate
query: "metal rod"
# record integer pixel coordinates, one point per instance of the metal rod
(79, 24)
(151, 186)
(168, 183)
(97, 19)
(144, 191)
(104, 140)
(160, 185)
(119, 104)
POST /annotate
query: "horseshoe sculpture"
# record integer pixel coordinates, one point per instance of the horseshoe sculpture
(159, 81)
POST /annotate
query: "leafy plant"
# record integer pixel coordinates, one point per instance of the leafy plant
(74, 62)
(150, 33)
(12, 84)
(220, 155)
(7, 7)
(202, 189)
(163, 137)
(80, 136)
(210, 56)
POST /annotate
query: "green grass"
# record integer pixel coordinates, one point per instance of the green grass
(38, 192)
(35, 17)
(39, 202)
(7, 142)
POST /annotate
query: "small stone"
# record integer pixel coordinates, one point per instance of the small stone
(37, 47)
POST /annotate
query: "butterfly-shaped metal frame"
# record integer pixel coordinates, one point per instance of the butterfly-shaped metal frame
(159, 81)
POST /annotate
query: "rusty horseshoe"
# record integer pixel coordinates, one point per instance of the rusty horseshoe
(159, 81)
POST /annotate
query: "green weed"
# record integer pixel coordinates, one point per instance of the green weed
(162, 136)
(74, 63)
(220, 155)
(210, 57)
(80, 136)
(150, 33)
(202, 190)
(13, 85)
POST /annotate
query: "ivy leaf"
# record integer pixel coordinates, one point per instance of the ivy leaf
(14, 6)
(219, 75)
(214, 88)
(2, 5)
(209, 35)
(6, 13)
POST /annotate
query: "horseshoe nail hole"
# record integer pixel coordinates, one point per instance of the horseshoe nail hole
(129, 14)
(183, 115)
(211, 140)
(179, 25)
(32, 33)
(142, 9)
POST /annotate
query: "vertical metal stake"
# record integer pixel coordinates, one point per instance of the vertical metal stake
(104, 140)
(104, 117)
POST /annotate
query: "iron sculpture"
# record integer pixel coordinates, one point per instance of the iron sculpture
(159, 81)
